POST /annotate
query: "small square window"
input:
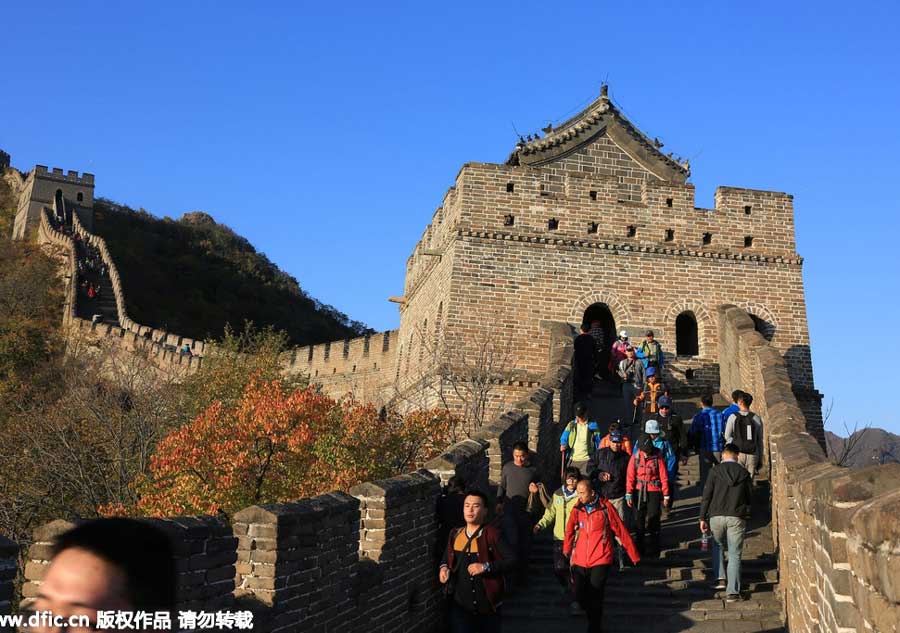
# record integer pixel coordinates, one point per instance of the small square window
(632, 231)
(748, 241)
(510, 187)
(707, 238)
(552, 224)
(668, 202)
(593, 195)
(592, 227)
(747, 209)
(509, 219)
(670, 235)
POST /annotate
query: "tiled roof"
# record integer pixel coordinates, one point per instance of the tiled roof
(583, 127)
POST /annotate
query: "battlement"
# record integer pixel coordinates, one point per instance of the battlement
(345, 354)
(372, 543)
(835, 529)
(57, 174)
(583, 206)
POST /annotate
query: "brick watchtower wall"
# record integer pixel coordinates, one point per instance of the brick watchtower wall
(594, 214)
(39, 191)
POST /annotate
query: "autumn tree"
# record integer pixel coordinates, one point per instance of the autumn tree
(275, 444)
(229, 365)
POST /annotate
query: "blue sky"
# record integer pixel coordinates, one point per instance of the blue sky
(327, 133)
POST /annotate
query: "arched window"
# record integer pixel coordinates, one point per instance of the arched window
(80, 197)
(687, 342)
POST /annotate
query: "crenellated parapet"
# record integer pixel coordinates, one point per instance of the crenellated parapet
(344, 559)
(836, 530)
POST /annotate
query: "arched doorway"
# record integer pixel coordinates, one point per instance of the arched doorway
(599, 319)
(687, 342)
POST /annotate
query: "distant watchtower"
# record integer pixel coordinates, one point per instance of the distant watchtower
(42, 186)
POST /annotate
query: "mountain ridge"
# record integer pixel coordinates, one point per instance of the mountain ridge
(195, 276)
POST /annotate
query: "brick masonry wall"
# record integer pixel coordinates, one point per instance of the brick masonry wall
(356, 562)
(837, 531)
(205, 552)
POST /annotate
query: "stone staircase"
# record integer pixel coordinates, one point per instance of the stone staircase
(672, 593)
(106, 304)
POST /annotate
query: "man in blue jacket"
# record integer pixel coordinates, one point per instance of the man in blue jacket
(707, 435)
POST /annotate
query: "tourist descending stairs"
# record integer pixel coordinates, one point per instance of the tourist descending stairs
(672, 593)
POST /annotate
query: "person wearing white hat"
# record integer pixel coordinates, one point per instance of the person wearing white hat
(647, 489)
(618, 348)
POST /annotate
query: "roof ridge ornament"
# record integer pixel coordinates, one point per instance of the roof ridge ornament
(604, 91)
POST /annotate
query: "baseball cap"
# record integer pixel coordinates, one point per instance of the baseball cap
(649, 333)
(615, 436)
(665, 401)
(652, 426)
(624, 333)
(651, 371)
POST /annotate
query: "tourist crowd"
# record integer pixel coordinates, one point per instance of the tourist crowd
(616, 491)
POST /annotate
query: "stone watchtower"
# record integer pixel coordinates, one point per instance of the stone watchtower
(594, 222)
(46, 188)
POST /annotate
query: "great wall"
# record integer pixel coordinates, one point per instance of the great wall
(591, 219)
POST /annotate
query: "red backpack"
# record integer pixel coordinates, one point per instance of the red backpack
(647, 469)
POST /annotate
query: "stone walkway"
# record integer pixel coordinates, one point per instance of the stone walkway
(672, 593)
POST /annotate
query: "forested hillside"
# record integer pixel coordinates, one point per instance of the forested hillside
(193, 276)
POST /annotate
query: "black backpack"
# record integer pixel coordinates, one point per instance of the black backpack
(745, 432)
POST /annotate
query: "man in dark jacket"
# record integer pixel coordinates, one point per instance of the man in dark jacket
(472, 568)
(671, 428)
(584, 361)
(610, 468)
(518, 479)
(724, 512)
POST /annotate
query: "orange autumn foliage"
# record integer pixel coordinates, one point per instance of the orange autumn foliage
(278, 446)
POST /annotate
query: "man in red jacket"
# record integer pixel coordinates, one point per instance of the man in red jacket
(590, 543)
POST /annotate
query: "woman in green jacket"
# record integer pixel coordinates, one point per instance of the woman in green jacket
(557, 515)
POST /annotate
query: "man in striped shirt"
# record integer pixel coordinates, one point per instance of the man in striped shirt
(707, 435)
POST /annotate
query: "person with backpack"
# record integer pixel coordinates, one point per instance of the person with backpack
(650, 351)
(607, 439)
(726, 504)
(744, 430)
(557, 515)
(631, 372)
(706, 434)
(733, 407)
(610, 467)
(472, 569)
(646, 491)
(671, 429)
(589, 542)
(653, 390)
(669, 458)
(579, 440)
